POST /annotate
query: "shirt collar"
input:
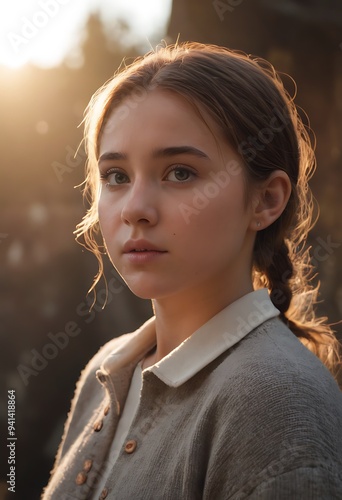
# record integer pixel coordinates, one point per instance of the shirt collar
(213, 338)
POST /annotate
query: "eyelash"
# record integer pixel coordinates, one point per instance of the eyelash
(104, 176)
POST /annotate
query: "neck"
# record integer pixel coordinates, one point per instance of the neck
(179, 316)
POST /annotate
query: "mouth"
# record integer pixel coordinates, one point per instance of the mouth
(132, 247)
(144, 250)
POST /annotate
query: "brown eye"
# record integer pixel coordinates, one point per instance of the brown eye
(180, 174)
(115, 178)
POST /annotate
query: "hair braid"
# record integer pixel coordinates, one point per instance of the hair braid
(277, 272)
(280, 267)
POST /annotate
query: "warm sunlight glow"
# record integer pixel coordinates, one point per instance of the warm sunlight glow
(32, 31)
(43, 31)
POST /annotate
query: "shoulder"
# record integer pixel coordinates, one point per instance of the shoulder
(277, 384)
(271, 356)
(276, 401)
(87, 381)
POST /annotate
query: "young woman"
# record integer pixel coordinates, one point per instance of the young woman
(198, 168)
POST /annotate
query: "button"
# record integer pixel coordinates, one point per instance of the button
(81, 478)
(98, 425)
(130, 446)
(87, 465)
(104, 493)
(106, 410)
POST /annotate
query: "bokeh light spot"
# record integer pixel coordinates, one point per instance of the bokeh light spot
(42, 127)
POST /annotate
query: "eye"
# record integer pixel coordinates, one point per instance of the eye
(114, 178)
(180, 174)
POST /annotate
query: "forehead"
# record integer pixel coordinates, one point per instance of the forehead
(159, 115)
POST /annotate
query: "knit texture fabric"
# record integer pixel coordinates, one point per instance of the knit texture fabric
(261, 421)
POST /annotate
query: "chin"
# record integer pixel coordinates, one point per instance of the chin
(142, 294)
(144, 291)
(140, 289)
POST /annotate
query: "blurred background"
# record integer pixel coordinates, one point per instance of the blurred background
(54, 54)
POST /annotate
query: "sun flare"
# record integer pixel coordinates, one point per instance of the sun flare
(43, 31)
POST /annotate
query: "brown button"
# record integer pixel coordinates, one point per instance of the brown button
(104, 493)
(98, 425)
(106, 410)
(81, 478)
(87, 465)
(130, 446)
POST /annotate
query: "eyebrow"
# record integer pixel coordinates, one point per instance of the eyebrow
(159, 153)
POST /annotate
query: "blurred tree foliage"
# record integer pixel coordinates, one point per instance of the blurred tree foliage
(45, 275)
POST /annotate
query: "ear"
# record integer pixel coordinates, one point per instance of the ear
(270, 200)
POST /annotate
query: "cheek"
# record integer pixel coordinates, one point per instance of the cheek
(217, 233)
(102, 214)
(108, 214)
(217, 216)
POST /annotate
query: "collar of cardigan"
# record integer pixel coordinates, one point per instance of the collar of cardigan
(213, 338)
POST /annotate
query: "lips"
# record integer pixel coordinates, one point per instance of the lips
(136, 246)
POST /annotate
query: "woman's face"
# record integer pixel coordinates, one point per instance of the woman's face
(172, 205)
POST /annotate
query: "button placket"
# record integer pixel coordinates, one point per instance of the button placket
(106, 381)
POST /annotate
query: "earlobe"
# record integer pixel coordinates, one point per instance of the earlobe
(271, 200)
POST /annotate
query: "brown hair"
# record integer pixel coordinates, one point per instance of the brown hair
(246, 98)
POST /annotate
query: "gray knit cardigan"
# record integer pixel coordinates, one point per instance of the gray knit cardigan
(261, 421)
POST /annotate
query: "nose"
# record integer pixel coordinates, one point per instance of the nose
(140, 206)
